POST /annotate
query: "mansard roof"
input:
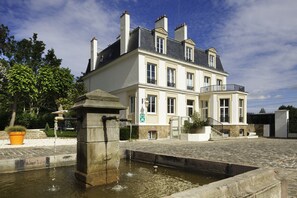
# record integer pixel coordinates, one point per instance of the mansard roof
(144, 39)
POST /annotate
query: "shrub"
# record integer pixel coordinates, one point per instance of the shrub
(125, 133)
(69, 134)
(16, 128)
(197, 123)
(46, 128)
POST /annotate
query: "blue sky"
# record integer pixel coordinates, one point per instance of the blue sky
(256, 39)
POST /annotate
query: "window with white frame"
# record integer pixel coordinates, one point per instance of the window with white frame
(224, 110)
(160, 45)
(170, 77)
(204, 107)
(190, 81)
(132, 104)
(190, 107)
(206, 81)
(240, 109)
(151, 103)
(171, 105)
(189, 53)
(151, 73)
(219, 82)
(211, 61)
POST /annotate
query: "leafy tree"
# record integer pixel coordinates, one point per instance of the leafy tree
(54, 83)
(51, 59)
(7, 43)
(262, 110)
(21, 86)
(32, 81)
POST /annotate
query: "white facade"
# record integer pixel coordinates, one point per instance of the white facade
(156, 87)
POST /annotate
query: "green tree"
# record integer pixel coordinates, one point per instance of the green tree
(54, 83)
(27, 72)
(7, 43)
(21, 86)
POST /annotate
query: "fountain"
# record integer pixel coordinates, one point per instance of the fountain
(59, 116)
(98, 161)
(98, 138)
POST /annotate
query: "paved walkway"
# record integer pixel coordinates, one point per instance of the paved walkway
(280, 154)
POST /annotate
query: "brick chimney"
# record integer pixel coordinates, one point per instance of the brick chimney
(93, 53)
(181, 32)
(125, 31)
(162, 22)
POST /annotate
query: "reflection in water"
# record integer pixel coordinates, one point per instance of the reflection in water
(136, 180)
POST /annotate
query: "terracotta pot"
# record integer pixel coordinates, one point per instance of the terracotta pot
(17, 137)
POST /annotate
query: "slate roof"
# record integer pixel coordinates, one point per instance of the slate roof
(144, 39)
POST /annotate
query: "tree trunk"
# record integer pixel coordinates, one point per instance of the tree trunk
(13, 114)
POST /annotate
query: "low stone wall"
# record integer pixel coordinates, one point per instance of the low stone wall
(235, 129)
(243, 181)
(30, 134)
(163, 131)
(262, 182)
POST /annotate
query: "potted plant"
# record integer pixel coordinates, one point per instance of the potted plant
(16, 134)
(196, 129)
(196, 125)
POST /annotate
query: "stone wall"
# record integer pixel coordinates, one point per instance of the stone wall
(162, 131)
(242, 181)
(30, 134)
(235, 129)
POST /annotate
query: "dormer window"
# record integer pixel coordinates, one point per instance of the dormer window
(189, 47)
(160, 45)
(211, 60)
(212, 54)
(161, 40)
(189, 53)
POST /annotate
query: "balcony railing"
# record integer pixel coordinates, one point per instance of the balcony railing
(226, 87)
(170, 84)
(151, 81)
(190, 88)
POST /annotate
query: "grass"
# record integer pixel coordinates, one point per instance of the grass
(69, 134)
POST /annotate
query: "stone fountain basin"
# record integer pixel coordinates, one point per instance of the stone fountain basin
(242, 181)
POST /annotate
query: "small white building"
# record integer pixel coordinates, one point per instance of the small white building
(161, 79)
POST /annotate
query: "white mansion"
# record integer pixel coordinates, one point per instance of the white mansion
(160, 79)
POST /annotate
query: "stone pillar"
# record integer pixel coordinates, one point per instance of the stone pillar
(98, 139)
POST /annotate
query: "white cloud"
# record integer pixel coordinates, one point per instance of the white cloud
(67, 26)
(259, 45)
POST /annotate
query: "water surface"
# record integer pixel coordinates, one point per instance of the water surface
(135, 180)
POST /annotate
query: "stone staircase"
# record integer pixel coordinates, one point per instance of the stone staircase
(215, 134)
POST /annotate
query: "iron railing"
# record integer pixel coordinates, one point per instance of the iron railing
(151, 81)
(170, 84)
(215, 124)
(226, 87)
(190, 88)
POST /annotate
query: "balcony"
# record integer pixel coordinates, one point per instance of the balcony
(227, 87)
